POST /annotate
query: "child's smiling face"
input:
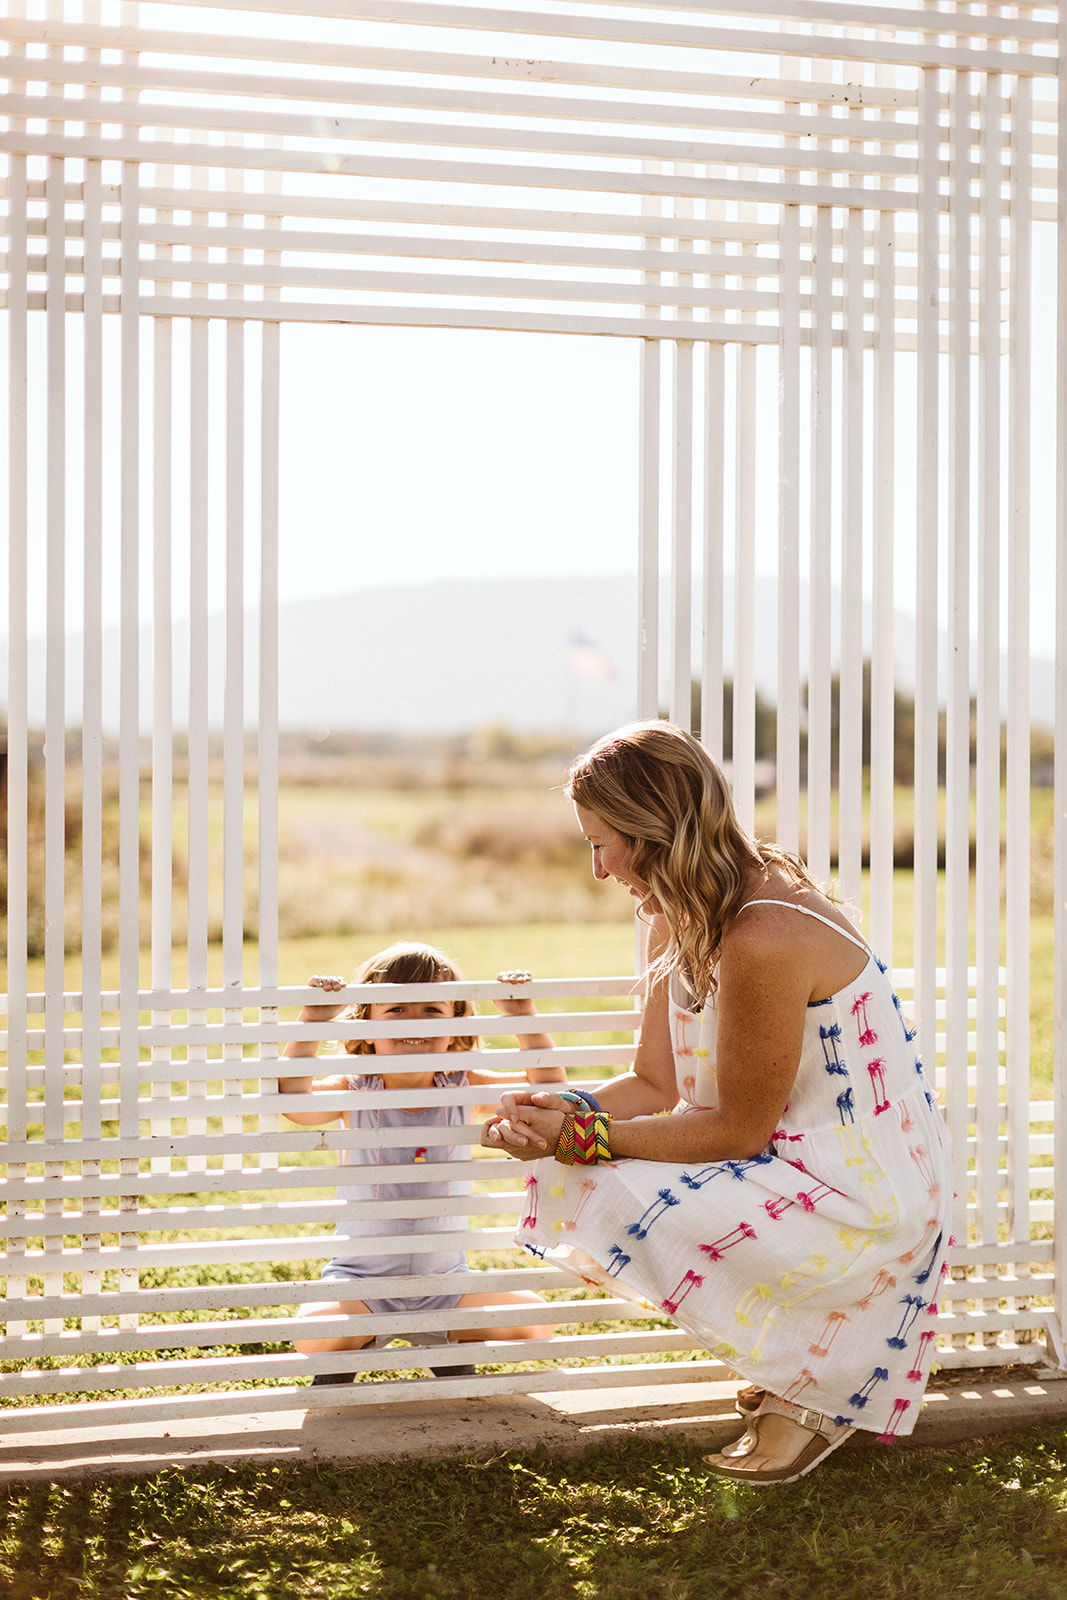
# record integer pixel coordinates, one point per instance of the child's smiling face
(413, 1042)
(413, 1011)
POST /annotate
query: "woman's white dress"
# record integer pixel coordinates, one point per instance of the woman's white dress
(814, 1268)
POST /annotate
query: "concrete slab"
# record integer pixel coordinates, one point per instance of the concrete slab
(956, 1409)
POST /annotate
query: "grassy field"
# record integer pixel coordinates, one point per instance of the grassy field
(629, 1521)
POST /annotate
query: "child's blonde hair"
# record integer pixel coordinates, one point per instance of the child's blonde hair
(408, 963)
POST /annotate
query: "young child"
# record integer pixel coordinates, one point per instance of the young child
(407, 963)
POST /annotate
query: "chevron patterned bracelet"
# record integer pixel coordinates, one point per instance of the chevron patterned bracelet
(583, 1139)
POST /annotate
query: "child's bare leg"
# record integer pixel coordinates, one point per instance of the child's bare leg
(518, 1297)
(331, 1308)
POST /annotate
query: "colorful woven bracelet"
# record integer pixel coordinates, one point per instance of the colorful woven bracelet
(589, 1137)
(581, 1098)
(565, 1147)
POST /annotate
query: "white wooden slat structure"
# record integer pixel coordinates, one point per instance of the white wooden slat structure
(844, 207)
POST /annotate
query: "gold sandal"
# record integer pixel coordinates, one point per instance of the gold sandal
(826, 1435)
(748, 1400)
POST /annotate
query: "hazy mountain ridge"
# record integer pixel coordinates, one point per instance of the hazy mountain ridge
(544, 654)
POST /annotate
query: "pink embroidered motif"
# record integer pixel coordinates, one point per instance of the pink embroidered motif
(859, 1011)
(899, 1408)
(744, 1230)
(810, 1200)
(876, 1070)
(691, 1280)
(530, 1219)
(926, 1339)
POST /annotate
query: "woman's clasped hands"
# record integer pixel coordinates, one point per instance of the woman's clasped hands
(529, 1124)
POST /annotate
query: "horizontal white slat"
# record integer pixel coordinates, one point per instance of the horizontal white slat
(586, 1057)
(148, 1374)
(108, 1187)
(505, 175)
(367, 280)
(835, 13)
(876, 127)
(182, 1146)
(252, 996)
(170, 1302)
(500, 67)
(295, 1213)
(495, 136)
(238, 1032)
(163, 1336)
(209, 1253)
(489, 318)
(959, 1289)
(262, 1214)
(220, 1403)
(883, 48)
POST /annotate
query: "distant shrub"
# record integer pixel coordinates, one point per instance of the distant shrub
(519, 835)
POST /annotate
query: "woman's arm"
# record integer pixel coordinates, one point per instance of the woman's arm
(765, 980)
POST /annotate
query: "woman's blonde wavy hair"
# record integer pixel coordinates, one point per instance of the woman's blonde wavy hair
(658, 787)
(407, 963)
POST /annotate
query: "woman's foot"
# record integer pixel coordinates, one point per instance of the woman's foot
(783, 1442)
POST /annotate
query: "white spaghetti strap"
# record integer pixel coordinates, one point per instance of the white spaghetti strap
(807, 912)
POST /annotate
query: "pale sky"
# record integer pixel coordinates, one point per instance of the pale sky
(413, 455)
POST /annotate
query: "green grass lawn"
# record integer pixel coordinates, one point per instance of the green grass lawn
(629, 1520)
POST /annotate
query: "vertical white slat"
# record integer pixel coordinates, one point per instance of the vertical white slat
(648, 534)
(743, 736)
(681, 647)
(787, 824)
(820, 549)
(883, 695)
(714, 577)
(958, 707)
(92, 701)
(233, 777)
(882, 809)
(1017, 854)
(1059, 865)
(129, 698)
(55, 669)
(162, 676)
(681, 612)
(850, 717)
(233, 756)
(927, 516)
(197, 778)
(744, 706)
(18, 688)
(987, 758)
(55, 700)
(268, 696)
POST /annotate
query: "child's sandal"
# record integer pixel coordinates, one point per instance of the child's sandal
(825, 1434)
